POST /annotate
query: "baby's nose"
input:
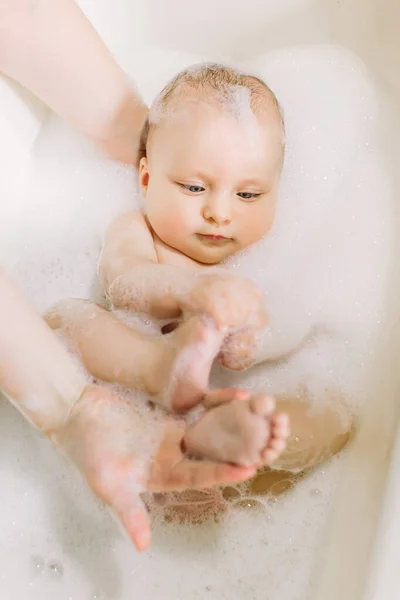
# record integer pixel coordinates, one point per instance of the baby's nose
(218, 211)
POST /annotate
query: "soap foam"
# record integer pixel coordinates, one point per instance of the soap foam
(322, 271)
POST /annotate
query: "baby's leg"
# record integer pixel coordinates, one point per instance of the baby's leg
(173, 369)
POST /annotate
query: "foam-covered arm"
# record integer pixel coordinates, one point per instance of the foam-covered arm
(51, 48)
(36, 372)
(153, 289)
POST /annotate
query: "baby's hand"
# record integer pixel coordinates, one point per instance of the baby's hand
(238, 350)
(231, 301)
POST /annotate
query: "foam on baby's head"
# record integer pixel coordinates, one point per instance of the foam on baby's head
(241, 95)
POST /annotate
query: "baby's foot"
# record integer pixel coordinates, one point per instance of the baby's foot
(180, 378)
(238, 428)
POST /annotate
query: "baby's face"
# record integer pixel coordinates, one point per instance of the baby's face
(210, 180)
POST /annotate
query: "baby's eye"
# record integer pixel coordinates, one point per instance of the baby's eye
(195, 189)
(248, 195)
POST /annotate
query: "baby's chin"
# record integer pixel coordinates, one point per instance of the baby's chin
(211, 256)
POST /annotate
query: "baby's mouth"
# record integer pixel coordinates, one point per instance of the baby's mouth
(213, 239)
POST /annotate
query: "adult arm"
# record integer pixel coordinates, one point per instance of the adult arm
(50, 47)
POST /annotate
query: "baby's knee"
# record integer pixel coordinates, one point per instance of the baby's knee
(69, 311)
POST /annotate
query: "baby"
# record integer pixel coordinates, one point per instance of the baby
(209, 176)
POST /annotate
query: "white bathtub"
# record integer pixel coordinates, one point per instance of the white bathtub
(359, 560)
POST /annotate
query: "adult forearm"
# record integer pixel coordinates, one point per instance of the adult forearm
(50, 47)
(36, 372)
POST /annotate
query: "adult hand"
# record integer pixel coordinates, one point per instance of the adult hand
(120, 457)
(80, 80)
(125, 139)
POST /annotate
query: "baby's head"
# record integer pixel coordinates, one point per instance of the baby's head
(214, 154)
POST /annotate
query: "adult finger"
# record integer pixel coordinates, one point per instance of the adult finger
(119, 484)
(132, 515)
(216, 397)
(193, 474)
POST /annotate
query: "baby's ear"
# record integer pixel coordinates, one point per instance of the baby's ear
(144, 174)
(143, 139)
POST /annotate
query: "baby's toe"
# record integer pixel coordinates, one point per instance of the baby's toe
(269, 456)
(277, 441)
(262, 405)
(277, 444)
(273, 451)
(280, 426)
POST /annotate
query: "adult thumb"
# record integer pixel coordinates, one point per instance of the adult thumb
(133, 516)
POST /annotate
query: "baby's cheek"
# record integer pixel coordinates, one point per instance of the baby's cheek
(164, 218)
(258, 222)
(174, 228)
(178, 220)
(168, 225)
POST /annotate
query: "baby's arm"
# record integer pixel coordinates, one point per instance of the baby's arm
(134, 280)
(130, 273)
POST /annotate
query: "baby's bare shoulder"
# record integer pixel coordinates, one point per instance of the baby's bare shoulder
(127, 223)
(130, 235)
(128, 243)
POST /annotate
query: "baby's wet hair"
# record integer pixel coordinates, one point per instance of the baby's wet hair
(215, 84)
